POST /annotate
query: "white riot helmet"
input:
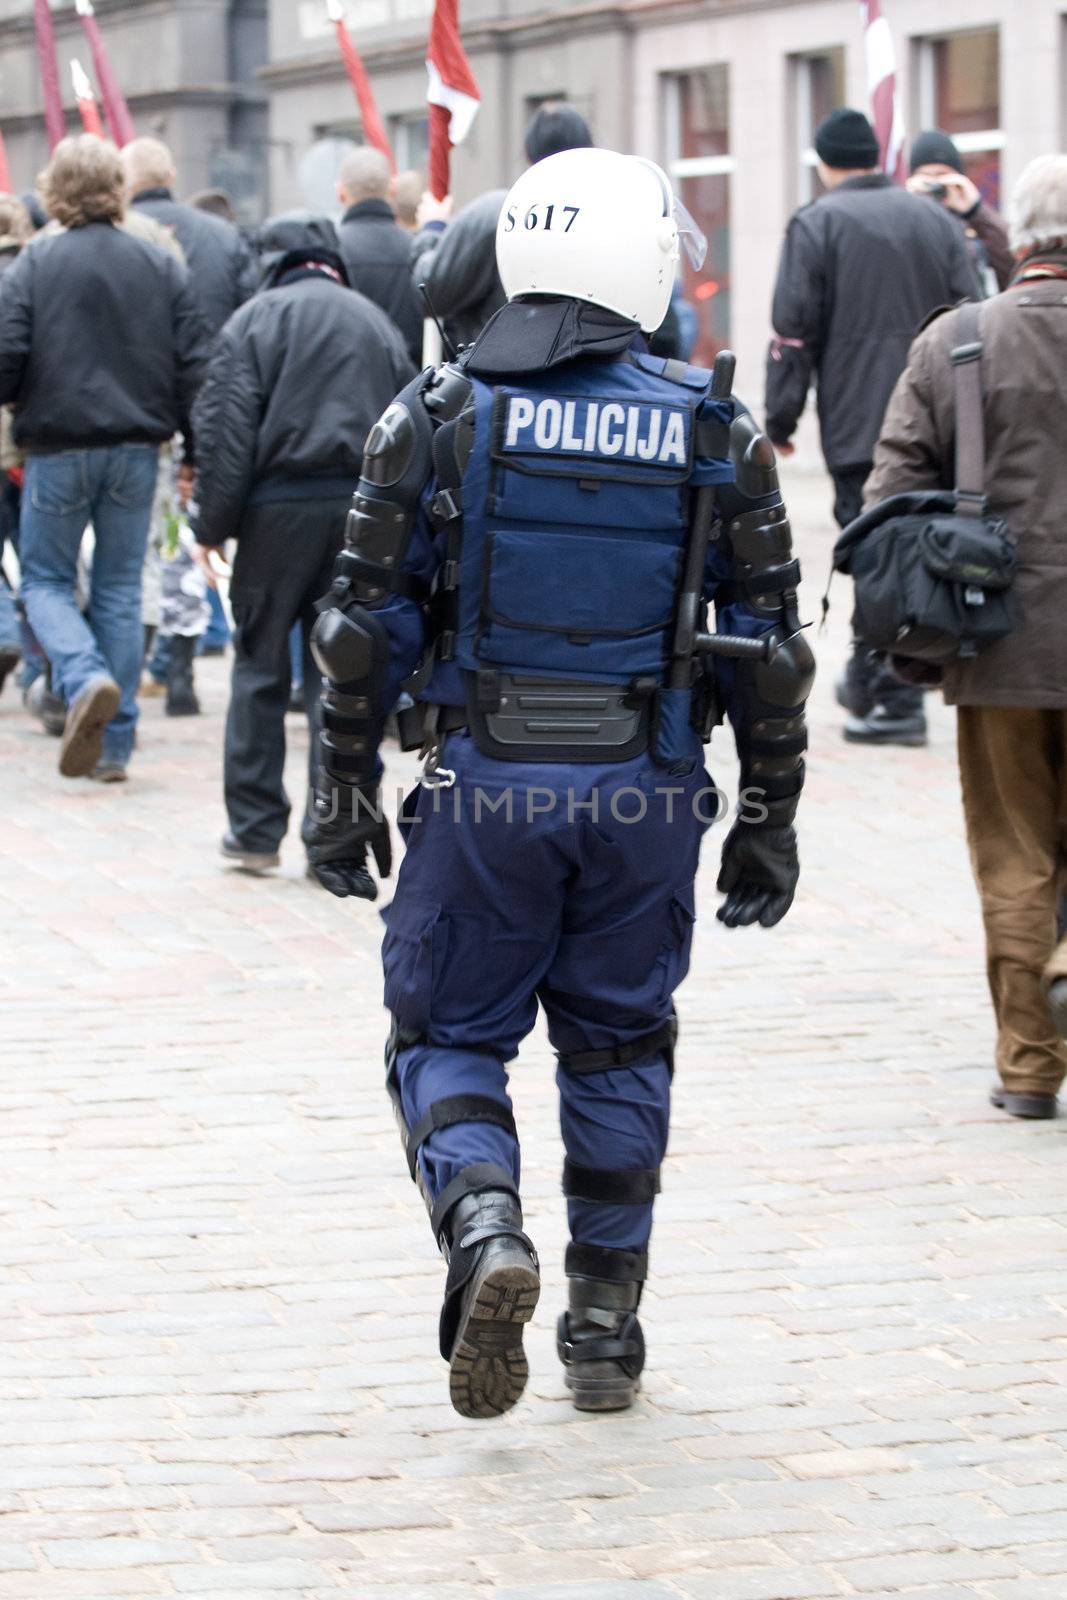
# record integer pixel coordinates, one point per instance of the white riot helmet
(596, 226)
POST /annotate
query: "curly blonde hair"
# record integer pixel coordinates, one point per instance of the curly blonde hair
(83, 182)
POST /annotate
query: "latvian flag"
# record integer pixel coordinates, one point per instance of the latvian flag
(882, 85)
(453, 94)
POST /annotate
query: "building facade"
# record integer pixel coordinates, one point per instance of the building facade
(189, 69)
(725, 95)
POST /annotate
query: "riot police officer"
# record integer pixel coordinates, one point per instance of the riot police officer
(539, 528)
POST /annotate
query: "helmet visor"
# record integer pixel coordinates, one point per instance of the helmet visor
(691, 237)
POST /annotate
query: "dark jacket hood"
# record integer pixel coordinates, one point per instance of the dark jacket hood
(279, 267)
(294, 238)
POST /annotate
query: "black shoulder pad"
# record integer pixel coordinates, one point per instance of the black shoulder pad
(752, 453)
(401, 435)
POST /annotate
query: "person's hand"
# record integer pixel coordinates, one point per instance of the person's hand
(186, 483)
(202, 554)
(346, 824)
(961, 195)
(786, 449)
(432, 210)
(759, 874)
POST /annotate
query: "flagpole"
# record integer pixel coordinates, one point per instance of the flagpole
(116, 110)
(83, 93)
(373, 129)
(55, 121)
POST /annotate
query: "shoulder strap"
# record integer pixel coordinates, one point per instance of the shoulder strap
(970, 423)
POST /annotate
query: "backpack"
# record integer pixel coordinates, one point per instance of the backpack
(933, 569)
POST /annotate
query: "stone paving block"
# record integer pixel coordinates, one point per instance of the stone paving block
(249, 1578)
(843, 1463)
(617, 1589)
(89, 1554)
(790, 1584)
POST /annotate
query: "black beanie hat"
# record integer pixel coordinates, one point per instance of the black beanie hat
(934, 148)
(555, 128)
(846, 140)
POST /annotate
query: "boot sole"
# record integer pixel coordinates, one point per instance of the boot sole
(604, 1394)
(488, 1370)
(256, 865)
(83, 737)
(1031, 1107)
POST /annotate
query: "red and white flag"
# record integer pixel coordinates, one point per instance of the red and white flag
(886, 110)
(5, 170)
(373, 128)
(54, 120)
(453, 94)
(116, 110)
(83, 93)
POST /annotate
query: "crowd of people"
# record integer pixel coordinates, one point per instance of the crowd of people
(182, 388)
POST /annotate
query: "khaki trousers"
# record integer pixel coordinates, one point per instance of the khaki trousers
(1013, 769)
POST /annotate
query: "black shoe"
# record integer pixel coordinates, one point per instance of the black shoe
(491, 1293)
(10, 656)
(1035, 1107)
(232, 850)
(212, 650)
(47, 707)
(851, 696)
(599, 1339)
(1057, 1005)
(107, 771)
(83, 735)
(181, 696)
(883, 726)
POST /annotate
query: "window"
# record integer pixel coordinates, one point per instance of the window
(410, 138)
(959, 91)
(818, 85)
(697, 143)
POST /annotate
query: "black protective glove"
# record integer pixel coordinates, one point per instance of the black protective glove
(337, 848)
(759, 874)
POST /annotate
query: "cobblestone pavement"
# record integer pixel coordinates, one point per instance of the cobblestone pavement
(218, 1370)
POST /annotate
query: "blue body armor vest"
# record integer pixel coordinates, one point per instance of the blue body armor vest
(576, 518)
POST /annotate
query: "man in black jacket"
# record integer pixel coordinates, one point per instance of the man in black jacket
(457, 260)
(101, 353)
(861, 269)
(221, 266)
(375, 248)
(298, 378)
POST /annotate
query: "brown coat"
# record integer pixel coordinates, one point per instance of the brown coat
(1024, 379)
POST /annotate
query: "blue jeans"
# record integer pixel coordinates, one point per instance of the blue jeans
(113, 489)
(9, 527)
(218, 629)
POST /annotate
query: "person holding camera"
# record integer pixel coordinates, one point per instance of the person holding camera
(937, 171)
(1011, 695)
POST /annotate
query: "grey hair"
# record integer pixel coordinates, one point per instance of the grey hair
(365, 174)
(1039, 206)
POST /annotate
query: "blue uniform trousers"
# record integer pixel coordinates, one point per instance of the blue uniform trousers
(571, 885)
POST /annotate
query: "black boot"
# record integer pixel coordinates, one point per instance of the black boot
(599, 1338)
(492, 1290)
(181, 696)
